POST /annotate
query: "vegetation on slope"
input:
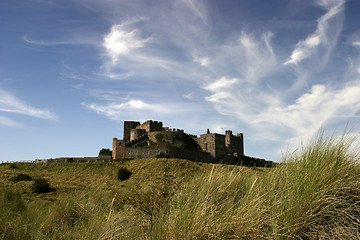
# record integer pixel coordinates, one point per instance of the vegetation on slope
(313, 195)
(180, 140)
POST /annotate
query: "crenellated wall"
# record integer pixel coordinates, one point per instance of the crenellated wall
(151, 126)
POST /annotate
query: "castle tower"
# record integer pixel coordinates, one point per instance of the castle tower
(228, 135)
(240, 137)
(118, 151)
(128, 125)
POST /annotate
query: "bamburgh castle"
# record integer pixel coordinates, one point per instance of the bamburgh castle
(151, 139)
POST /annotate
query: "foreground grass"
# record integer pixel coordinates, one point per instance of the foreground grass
(315, 194)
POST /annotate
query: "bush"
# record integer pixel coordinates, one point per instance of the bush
(13, 166)
(21, 177)
(105, 152)
(41, 185)
(159, 137)
(123, 174)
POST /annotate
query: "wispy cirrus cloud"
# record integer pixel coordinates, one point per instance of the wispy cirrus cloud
(11, 104)
(51, 43)
(130, 108)
(327, 32)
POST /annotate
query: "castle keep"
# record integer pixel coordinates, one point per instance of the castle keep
(149, 139)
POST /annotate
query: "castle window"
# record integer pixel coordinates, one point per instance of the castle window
(129, 152)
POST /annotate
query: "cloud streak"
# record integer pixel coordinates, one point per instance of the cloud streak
(11, 104)
(325, 35)
(48, 43)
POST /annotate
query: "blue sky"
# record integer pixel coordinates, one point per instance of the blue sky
(72, 71)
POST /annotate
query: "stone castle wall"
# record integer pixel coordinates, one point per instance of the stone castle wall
(152, 152)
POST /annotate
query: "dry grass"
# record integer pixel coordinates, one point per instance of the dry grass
(315, 194)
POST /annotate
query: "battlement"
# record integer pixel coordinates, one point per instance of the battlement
(151, 126)
(167, 129)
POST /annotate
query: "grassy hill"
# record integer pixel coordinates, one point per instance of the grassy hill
(313, 195)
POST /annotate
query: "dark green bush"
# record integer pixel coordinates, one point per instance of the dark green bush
(13, 166)
(105, 152)
(21, 177)
(123, 174)
(70, 160)
(41, 185)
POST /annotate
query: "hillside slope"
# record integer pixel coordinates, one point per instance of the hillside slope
(314, 194)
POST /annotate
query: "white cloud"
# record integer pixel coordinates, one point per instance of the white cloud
(10, 104)
(121, 41)
(203, 61)
(251, 56)
(133, 107)
(221, 84)
(313, 109)
(326, 34)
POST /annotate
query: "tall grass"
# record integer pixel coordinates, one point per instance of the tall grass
(314, 194)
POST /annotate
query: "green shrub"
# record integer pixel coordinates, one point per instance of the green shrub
(21, 177)
(41, 185)
(70, 160)
(123, 174)
(105, 152)
(159, 137)
(13, 166)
